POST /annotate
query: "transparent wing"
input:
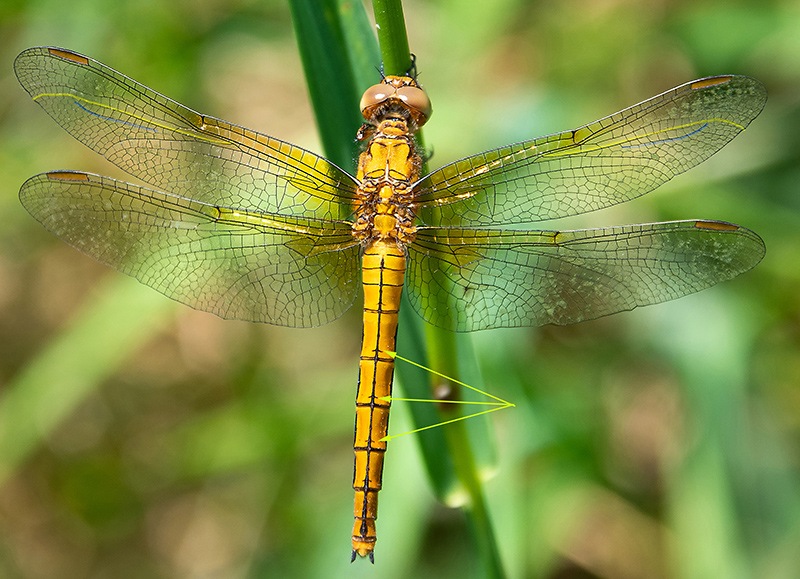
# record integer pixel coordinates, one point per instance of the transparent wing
(176, 149)
(289, 271)
(464, 280)
(609, 161)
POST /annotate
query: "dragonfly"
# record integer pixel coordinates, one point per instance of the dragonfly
(246, 226)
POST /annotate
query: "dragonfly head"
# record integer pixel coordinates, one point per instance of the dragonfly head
(396, 94)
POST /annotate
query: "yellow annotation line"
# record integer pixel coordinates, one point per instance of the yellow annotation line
(499, 403)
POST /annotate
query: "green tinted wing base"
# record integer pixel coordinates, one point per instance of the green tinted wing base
(260, 267)
(465, 280)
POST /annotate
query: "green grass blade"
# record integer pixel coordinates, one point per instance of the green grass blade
(362, 50)
(328, 68)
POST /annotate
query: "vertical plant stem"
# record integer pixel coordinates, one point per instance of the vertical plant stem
(392, 36)
(331, 83)
(442, 346)
(443, 356)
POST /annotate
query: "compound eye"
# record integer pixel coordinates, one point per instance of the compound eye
(416, 99)
(375, 95)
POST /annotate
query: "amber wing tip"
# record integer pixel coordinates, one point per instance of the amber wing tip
(68, 55)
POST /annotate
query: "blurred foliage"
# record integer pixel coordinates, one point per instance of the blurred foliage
(155, 441)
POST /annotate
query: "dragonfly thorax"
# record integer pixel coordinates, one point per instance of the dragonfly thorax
(387, 168)
(384, 213)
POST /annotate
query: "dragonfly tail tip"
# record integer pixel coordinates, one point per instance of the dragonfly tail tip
(371, 556)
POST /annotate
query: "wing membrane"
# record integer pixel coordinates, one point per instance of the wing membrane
(464, 279)
(606, 162)
(174, 148)
(289, 271)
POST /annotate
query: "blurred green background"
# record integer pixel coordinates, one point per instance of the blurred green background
(139, 438)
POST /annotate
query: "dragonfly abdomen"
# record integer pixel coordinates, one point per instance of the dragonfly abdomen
(383, 266)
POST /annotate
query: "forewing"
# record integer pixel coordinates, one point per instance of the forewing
(609, 161)
(176, 149)
(290, 271)
(465, 280)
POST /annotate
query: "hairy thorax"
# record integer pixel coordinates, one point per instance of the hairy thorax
(387, 168)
